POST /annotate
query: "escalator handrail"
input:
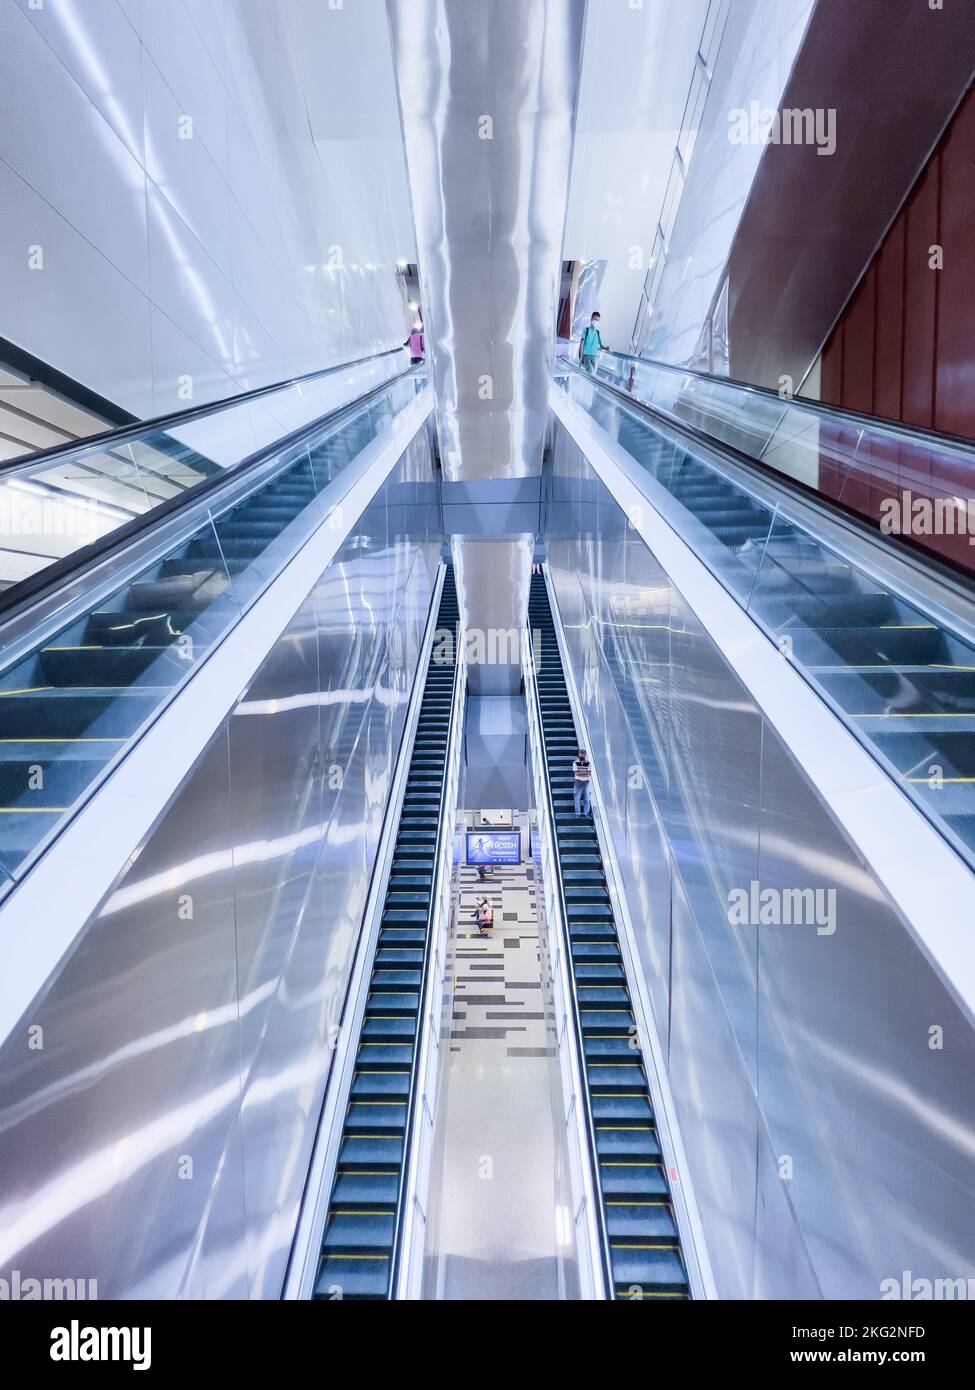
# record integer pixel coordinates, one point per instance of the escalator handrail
(121, 434)
(604, 1244)
(878, 423)
(442, 830)
(907, 548)
(27, 592)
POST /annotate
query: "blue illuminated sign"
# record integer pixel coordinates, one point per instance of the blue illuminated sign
(494, 846)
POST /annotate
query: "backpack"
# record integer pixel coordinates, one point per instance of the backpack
(591, 342)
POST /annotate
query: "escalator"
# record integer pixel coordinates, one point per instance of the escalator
(72, 705)
(638, 1222)
(359, 1244)
(900, 677)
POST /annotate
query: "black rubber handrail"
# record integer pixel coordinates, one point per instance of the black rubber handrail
(914, 551)
(122, 433)
(27, 592)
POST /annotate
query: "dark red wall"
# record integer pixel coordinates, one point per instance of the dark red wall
(904, 347)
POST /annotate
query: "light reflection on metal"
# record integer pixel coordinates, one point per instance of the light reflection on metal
(487, 98)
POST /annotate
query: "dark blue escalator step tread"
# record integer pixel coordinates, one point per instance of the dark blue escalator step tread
(407, 898)
(382, 1001)
(395, 935)
(377, 1085)
(404, 916)
(610, 1076)
(639, 1222)
(376, 1054)
(591, 972)
(654, 1268)
(602, 996)
(370, 1150)
(368, 1186)
(605, 1047)
(371, 1117)
(627, 1141)
(606, 1020)
(398, 957)
(388, 1028)
(365, 1278)
(631, 1105)
(363, 1230)
(385, 977)
(592, 931)
(619, 1178)
(595, 951)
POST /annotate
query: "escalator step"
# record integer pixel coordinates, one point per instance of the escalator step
(364, 1276)
(638, 1222)
(650, 1269)
(374, 1188)
(364, 1229)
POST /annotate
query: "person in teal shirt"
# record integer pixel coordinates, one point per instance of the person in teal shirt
(591, 344)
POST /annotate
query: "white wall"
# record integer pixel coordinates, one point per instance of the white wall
(636, 72)
(206, 258)
(761, 40)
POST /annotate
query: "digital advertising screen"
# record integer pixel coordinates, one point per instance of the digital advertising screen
(494, 846)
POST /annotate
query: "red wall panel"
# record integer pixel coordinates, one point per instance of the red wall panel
(904, 347)
(954, 405)
(920, 300)
(889, 344)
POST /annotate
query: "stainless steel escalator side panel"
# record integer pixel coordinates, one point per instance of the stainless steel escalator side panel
(175, 969)
(419, 629)
(821, 1076)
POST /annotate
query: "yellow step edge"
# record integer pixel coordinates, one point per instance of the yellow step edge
(616, 1245)
(384, 1258)
(637, 1204)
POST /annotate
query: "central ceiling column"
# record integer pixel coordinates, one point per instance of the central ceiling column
(487, 92)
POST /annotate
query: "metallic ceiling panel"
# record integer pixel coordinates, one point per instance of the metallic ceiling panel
(487, 96)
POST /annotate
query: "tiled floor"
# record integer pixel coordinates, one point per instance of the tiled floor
(497, 1215)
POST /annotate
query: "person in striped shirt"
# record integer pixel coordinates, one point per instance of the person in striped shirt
(582, 787)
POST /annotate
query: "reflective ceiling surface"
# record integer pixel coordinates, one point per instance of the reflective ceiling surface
(488, 94)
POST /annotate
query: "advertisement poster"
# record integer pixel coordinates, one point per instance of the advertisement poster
(494, 846)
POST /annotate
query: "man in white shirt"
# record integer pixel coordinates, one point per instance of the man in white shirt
(582, 787)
